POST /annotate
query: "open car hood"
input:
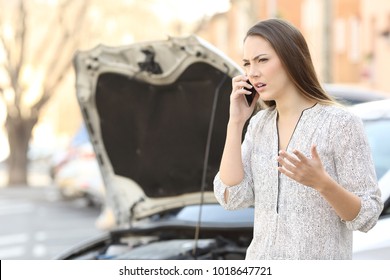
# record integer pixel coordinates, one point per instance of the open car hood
(156, 114)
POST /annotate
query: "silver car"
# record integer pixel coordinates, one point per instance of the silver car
(376, 118)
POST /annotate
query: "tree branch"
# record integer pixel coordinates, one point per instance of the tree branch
(45, 42)
(48, 90)
(64, 42)
(20, 43)
(21, 36)
(59, 70)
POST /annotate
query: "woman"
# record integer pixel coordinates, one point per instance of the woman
(305, 163)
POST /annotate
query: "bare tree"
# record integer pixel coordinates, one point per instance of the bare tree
(52, 51)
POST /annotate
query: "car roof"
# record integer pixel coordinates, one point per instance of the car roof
(352, 94)
(372, 110)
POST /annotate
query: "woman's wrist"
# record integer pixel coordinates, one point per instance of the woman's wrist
(325, 184)
(236, 124)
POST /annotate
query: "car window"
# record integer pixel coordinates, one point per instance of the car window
(349, 100)
(378, 133)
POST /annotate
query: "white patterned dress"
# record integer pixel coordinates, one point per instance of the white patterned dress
(293, 221)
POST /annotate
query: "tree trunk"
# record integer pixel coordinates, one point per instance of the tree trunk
(19, 134)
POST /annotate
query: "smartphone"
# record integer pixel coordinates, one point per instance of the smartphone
(249, 97)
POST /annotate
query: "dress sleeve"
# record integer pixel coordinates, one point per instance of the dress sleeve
(241, 195)
(356, 172)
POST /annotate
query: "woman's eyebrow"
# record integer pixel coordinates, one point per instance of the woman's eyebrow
(255, 58)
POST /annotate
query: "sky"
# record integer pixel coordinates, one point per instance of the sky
(189, 10)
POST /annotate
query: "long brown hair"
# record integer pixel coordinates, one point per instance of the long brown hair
(291, 48)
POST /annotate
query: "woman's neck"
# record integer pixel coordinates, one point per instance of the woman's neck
(293, 107)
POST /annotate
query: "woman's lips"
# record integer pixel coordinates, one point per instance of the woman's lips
(260, 86)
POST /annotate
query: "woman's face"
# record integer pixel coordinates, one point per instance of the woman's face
(264, 69)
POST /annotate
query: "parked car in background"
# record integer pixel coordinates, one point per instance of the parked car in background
(76, 172)
(351, 95)
(156, 113)
(376, 117)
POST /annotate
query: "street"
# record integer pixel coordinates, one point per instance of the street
(36, 223)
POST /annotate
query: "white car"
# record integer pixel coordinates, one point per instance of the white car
(351, 94)
(76, 173)
(376, 117)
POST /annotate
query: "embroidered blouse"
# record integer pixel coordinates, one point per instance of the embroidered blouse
(293, 221)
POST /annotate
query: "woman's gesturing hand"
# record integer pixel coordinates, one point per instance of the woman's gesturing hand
(239, 109)
(307, 171)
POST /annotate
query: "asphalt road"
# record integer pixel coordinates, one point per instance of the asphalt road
(36, 223)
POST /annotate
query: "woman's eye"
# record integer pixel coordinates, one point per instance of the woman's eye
(246, 64)
(263, 59)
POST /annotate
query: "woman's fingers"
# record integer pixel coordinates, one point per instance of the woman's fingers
(295, 161)
(300, 168)
(241, 83)
(314, 152)
(286, 164)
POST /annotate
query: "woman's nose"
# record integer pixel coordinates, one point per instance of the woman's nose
(253, 72)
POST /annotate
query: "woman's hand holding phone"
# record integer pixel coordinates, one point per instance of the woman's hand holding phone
(242, 99)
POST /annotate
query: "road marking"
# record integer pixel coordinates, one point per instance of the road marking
(12, 252)
(39, 250)
(6, 240)
(16, 209)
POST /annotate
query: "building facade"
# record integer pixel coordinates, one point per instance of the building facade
(349, 40)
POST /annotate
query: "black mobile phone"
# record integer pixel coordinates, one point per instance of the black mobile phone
(250, 97)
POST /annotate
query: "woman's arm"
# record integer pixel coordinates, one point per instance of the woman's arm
(231, 168)
(231, 172)
(233, 184)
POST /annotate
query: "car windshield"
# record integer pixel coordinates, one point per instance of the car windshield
(378, 133)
